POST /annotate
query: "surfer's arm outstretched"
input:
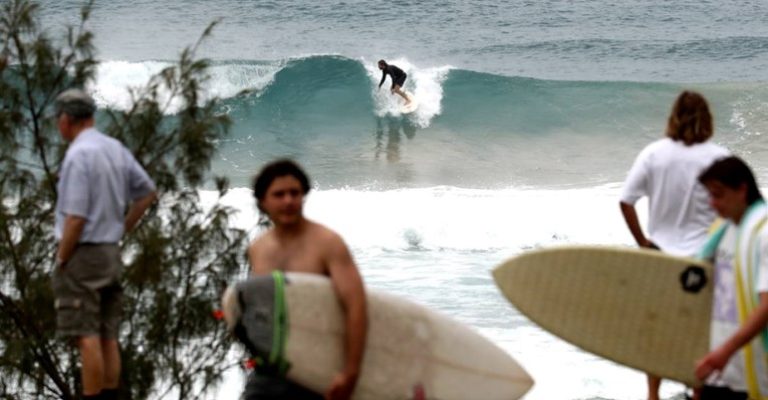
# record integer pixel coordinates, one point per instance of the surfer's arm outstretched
(349, 288)
(383, 77)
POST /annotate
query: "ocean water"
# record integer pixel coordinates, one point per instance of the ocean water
(530, 114)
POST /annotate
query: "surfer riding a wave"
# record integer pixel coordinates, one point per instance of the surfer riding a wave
(398, 79)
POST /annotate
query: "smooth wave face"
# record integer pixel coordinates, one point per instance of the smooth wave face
(471, 129)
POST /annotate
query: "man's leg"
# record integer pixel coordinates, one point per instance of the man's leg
(92, 361)
(653, 387)
(111, 312)
(399, 91)
(111, 352)
(79, 291)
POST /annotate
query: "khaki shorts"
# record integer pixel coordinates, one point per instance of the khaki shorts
(87, 292)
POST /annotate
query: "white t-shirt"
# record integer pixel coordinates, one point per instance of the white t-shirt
(679, 214)
(725, 305)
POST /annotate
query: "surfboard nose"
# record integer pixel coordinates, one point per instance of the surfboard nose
(641, 308)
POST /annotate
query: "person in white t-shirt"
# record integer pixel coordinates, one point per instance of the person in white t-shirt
(666, 171)
(739, 252)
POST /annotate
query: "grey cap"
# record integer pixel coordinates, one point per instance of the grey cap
(75, 103)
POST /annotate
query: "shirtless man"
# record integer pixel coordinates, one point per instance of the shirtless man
(398, 79)
(296, 244)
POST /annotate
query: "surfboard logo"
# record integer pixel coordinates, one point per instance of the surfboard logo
(693, 279)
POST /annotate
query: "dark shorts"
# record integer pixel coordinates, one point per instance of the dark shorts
(87, 292)
(721, 393)
(400, 81)
(260, 387)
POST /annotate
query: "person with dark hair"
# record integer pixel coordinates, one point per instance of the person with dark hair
(296, 244)
(274, 170)
(99, 180)
(736, 367)
(666, 171)
(398, 79)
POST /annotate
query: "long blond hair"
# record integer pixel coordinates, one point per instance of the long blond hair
(690, 120)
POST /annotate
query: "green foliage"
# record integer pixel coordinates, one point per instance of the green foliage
(178, 259)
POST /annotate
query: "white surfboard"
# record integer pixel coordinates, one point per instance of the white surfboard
(409, 349)
(412, 106)
(641, 308)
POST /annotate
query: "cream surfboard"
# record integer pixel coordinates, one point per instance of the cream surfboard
(410, 107)
(411, 351)
(640, 308)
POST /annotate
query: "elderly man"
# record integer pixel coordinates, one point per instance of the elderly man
(99, 180)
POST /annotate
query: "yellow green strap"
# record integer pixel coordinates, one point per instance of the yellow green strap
(715, 235)
(279, 325)
(751, 265)
(746, 304)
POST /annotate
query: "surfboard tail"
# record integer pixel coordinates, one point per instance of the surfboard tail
(254, 310)
(230, 308)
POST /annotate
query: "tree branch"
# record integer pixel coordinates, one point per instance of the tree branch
(41, 352)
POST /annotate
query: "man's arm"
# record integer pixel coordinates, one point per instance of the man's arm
(633, 223)
(140, 187)
(383, 77)
(257, 268)
(73, 228)
(137, 210)
(74, 203)
(349, 288)
(718, 358)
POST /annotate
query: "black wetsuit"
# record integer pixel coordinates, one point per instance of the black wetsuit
(397, 74)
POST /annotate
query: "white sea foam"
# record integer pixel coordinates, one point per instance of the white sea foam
(426, 84)
(115, 80)
(462, 219)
